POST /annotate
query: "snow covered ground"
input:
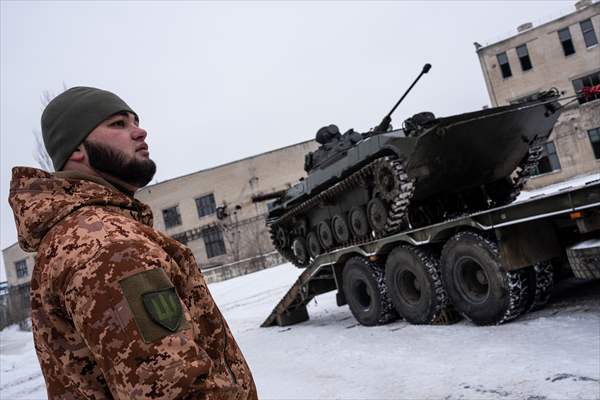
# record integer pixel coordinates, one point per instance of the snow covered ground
(568, 184)
(550, 354)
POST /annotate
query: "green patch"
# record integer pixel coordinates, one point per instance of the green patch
(164, 308)
(154, 304)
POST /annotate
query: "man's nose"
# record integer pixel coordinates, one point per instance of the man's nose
(139, 133)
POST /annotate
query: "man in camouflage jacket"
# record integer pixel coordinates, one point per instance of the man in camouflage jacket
(119, 310)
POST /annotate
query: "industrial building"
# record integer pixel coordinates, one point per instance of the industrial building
(562, 53)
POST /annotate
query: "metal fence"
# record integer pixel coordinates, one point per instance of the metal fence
(15, 306)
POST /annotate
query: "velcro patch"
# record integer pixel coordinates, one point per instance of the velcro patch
(164, 308)
(154, 304)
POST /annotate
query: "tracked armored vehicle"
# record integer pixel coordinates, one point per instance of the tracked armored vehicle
(364, 186)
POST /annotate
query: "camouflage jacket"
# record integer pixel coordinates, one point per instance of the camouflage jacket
(119, 310)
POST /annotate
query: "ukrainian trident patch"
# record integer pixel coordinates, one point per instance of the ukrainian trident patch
(164, 308)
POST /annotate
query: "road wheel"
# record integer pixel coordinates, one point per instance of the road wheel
(540, 280)
(325, 235)
(477, 282)
(359, 225)
(366, 293)
(313, 245)
(299, 248)
(340, 229)
(377, 213)
(415, 285)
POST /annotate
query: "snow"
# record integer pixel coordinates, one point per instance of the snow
(550, 354)
(588, 244)
(568, 184)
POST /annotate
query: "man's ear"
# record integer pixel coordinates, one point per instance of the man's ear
(78, 154)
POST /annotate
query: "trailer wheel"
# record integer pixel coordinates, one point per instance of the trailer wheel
(366, 293)
(585, 261)
(541, 281)
(478, 284)
(415, 285)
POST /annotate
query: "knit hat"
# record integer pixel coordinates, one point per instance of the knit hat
(72, 115)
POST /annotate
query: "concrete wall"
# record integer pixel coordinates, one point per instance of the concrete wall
(242, 267)
(551, 68)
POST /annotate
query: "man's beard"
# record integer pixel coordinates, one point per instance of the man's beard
(114, 162)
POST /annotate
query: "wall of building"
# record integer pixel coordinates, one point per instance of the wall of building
(552, 68)
(573, 146)
(12, 255)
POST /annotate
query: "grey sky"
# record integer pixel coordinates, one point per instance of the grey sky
(217, 81)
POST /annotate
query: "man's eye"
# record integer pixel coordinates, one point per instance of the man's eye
(119, 123)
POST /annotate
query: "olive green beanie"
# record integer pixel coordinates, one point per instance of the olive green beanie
(72, 115)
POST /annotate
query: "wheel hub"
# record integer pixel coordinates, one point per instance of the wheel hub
(471, 280)
(409, 287)
(299, 249)
(377, 214)
(358, 222)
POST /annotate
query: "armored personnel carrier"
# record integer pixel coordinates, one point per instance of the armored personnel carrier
(364, 186)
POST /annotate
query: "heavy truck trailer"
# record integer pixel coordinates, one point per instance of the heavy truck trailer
(489, 267)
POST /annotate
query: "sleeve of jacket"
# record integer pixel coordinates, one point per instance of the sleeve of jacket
(137, 358)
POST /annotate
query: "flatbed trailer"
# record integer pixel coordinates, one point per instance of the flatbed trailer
(490, 266)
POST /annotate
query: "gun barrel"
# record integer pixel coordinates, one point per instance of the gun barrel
(385, 123)
(268, 196)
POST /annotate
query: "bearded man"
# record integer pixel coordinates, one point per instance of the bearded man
(119, 309)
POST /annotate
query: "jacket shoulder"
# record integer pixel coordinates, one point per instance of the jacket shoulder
(81, 235)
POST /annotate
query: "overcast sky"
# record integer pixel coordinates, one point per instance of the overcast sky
(217, 81)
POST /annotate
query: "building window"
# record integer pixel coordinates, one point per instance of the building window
(504, 65)
(587, 81)
(206, 205)
(523, 54)
(565, 39)
(589, 36)
(21, 267)
(549, 161)
(213, 241)
(595, 141)
(171, 216)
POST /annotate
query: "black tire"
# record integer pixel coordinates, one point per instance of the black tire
(540, 278)
(478, 284)
(366, 293)
(415, 285)
(585, 262)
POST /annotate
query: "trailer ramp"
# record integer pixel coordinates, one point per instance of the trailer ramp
(291, 309)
